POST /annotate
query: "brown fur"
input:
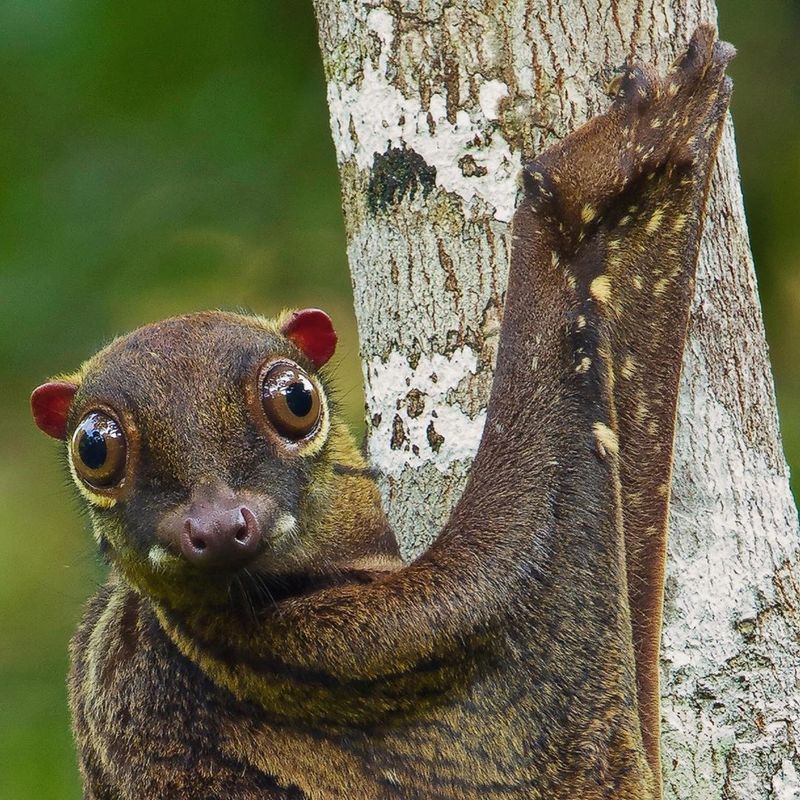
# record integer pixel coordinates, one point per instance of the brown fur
(517, 658)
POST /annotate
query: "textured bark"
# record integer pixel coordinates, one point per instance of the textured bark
(433, 104)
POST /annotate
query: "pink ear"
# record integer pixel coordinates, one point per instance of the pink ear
(312, 331)
(50, 404)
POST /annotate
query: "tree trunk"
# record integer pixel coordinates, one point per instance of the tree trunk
(433, 104)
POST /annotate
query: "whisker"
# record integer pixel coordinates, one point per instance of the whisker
(252, 592)
(248, 601)
(263, 587)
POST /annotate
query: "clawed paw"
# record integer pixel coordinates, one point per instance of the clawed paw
(672, 118)
(655, 123)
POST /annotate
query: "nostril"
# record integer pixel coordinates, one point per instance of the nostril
(248, 534)
(245, 524)
(197, 542)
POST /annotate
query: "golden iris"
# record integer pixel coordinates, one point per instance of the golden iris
(99, 450)
(291, 401)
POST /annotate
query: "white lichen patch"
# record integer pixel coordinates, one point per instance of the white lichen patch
(716, 593)
(489, 96)
(722, 605)
(786, 784)
(441, 433)
(373, 115)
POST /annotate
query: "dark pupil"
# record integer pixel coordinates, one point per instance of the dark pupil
(92, 449)
(298, 399)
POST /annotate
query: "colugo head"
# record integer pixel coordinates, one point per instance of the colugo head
(204, 446)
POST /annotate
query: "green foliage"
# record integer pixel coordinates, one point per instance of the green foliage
(165, 157)
(766, 110)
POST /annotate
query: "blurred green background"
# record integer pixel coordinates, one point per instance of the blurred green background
(163, 157)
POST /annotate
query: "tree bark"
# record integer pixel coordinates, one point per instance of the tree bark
(433, 105)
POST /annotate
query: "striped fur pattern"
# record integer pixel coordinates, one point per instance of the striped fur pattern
(517, 657)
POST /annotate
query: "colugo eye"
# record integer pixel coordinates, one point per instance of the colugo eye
(291, 401)
(99, 450)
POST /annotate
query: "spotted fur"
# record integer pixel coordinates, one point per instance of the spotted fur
(517, 657)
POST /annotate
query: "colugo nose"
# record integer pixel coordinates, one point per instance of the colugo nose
(220, 537)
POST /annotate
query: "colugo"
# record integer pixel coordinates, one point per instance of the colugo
(259, 636)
